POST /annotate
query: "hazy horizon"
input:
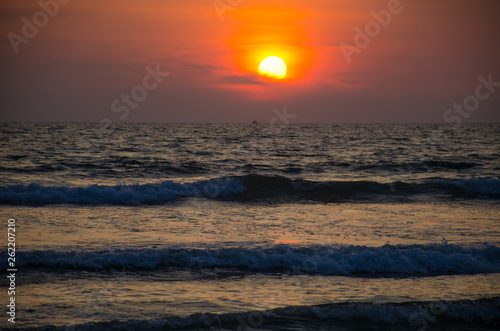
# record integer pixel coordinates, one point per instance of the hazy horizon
(251, 122)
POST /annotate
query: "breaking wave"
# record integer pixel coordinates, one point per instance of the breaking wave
(327, 260)
(242, 188)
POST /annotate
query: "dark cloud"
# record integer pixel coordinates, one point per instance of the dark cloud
(205, 69)
(242, 79)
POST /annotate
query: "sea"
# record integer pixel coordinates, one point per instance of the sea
(251, 226)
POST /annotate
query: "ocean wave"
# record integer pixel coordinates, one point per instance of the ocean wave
(120, 194)
(243, 188)
(327, 260)
(489, 186)
(480, 314)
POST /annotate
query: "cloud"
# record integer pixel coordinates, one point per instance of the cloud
(204, 68)
(242, 80)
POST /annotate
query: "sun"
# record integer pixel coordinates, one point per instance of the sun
(273, 67)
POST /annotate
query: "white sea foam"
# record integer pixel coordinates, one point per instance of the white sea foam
(328, 260)
(259, 187)
(119, 194)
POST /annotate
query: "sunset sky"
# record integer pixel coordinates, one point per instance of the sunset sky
(80, 62)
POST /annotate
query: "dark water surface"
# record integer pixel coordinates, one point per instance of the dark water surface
(252, 226)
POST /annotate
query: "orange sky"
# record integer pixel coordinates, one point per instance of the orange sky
(427, 58)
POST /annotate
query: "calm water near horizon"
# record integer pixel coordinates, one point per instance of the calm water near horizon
(253, 226)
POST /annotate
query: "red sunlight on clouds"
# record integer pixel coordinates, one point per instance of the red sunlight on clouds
(347, 55)
(271, 31)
